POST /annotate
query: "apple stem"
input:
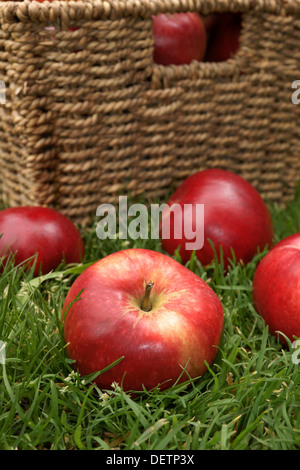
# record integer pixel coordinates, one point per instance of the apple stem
(146, 304)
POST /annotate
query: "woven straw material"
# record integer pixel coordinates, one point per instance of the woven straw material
(89, 116)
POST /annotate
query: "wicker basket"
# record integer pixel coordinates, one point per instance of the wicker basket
(89, 116)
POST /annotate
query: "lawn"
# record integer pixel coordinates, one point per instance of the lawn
(249, 399)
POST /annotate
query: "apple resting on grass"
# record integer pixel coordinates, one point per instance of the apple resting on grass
(276, 288)
(179, 38)
(235, 217)
(27, 231)
(146, 307)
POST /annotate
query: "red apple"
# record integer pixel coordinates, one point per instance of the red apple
(179, 38)
(39, 230)
(224, 38)
(235, 217)
(175, 325)
(276, 288)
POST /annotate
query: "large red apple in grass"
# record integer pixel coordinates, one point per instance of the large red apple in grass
(235, 218)
(224, 36)
(179, 38)
(276, 288)
(146, 307)
(28, 231)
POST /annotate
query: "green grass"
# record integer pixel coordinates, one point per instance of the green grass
(248, 399)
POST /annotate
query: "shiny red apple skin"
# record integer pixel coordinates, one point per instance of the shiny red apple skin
(106, 323)
(179, 38)
(224, 36)
(28, 230)
(235, 217)
(276, 288)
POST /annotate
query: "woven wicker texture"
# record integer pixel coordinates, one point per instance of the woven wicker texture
(89, 116)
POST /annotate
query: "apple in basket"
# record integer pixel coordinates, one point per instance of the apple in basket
(42, 234)
(145, 308)
(276, 288)
(179, 38)
(235, 218)
(224, 36)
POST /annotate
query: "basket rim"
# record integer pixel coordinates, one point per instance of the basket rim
(71, 10)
